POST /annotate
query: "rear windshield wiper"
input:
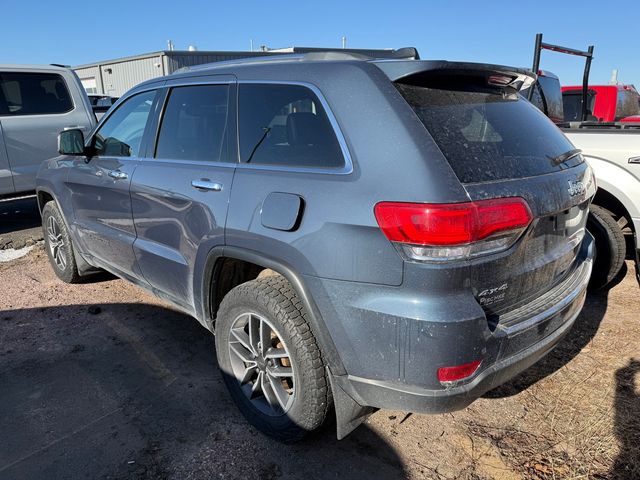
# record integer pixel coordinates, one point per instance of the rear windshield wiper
(563, 157)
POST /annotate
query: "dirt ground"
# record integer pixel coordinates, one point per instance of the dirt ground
(101, 380)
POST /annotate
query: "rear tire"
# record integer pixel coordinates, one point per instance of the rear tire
(610, 246)
(285, 407)
(57, 242)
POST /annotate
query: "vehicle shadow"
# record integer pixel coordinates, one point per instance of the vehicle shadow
(583, 330)
(133, 391)
(19, 215)
(627, 421)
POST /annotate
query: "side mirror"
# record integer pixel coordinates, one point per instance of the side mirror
(71, 142)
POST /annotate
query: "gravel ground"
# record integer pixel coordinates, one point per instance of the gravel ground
(101, 380)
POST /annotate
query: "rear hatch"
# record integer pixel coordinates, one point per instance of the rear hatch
(501, 146)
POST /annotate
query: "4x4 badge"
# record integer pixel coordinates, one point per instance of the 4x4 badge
(576, 188)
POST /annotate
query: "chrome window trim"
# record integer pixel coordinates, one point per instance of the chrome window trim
(348, 163)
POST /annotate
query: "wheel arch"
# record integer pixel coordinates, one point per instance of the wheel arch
(207, 302)
(611, 202)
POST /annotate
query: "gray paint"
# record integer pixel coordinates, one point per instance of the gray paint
(281, 211)
(385, 323)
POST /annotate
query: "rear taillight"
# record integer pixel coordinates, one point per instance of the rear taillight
(444, 231)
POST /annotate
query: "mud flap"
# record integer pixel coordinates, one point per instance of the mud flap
(349, 413)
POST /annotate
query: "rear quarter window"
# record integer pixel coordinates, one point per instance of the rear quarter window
(33, 94)
(286, 125)
(488, 135)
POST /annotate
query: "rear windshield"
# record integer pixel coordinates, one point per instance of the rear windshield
(488, 134)
(572, 105)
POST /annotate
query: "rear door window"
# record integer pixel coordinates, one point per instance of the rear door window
(286, 125)
(33, 94)
(488, 134)
(195, 123)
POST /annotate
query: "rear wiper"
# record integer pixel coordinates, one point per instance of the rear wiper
(563, 157)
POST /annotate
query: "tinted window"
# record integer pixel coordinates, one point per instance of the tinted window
(552, 97)
(194, 125)
(488, 135)
(572, 105)
(33, 94)
(121, 134)
(627, 104)
(286, 125)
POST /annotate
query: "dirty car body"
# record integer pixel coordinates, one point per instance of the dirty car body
(436, 241)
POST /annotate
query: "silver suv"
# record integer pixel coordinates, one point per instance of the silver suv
(36, 103)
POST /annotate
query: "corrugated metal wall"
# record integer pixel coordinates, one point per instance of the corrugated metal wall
(177, 60)
(119, 77)
(91, 72)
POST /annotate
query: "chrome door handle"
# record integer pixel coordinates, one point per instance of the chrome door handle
(205, 184)
(118, 175)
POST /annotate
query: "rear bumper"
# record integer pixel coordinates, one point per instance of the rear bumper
(404, 357)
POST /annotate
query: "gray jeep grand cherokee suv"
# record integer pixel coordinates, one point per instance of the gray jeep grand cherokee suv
(360, 233)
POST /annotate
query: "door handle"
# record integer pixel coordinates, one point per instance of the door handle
(206, 184)
(118, 175)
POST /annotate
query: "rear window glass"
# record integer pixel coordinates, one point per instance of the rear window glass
(33, 94)
(286, 125)
(572, 105)
(488, 135)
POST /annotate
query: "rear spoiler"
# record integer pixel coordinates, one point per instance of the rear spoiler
(588, 55)
(497, 75)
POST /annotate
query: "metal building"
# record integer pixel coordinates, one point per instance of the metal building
(115, 77)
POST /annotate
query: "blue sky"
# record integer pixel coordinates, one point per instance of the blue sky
(74, 32)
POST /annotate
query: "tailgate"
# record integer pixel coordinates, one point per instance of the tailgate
(499, 146)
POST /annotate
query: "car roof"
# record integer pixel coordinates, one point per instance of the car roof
(26, 67)
(316, 66)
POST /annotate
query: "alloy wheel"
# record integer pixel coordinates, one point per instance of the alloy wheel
(56, 243)
(262, 364)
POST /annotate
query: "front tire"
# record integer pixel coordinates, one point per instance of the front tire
(610, 246)
(270, 360)
(57, 242)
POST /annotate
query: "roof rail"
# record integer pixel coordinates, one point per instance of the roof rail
(407, 53)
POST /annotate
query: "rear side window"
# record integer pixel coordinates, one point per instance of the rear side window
(488, 134)
(121, 134)
(627, 104)
(33, 94)
(194, 125)
(286, 125)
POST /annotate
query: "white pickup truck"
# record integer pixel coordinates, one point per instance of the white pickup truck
(613, 151)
